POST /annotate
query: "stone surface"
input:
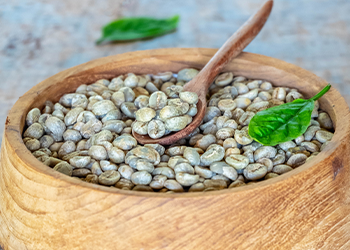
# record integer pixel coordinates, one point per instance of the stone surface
(41, 38)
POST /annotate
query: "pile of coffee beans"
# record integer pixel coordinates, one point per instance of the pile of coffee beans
(88, 134)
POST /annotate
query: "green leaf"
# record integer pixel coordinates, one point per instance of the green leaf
(127, 29)
(283, 123)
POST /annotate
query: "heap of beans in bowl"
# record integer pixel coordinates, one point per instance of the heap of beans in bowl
(88, 134)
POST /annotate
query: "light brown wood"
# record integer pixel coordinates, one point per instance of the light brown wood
(307, 208)
(201, 83)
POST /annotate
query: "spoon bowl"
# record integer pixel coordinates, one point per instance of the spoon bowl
(171, 138)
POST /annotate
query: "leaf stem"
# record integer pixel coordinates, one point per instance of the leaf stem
(321, 93)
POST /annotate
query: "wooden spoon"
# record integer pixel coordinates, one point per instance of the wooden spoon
(200, 84)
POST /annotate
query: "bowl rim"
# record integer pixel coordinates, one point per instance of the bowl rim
(14, 122)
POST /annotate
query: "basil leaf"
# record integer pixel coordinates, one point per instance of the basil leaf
(283, 123)
(127, 29)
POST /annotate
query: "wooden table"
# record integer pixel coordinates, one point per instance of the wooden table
(40, 38)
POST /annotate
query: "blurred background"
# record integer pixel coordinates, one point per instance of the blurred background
(39, 38)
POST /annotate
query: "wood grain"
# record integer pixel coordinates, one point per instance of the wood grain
(201, 82)
(307, 208)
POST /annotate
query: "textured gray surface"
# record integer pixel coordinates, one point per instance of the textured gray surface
(40, 38)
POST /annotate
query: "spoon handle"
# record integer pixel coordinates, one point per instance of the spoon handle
(231, 48)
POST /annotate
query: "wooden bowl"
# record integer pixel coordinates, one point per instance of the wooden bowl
(307, 208)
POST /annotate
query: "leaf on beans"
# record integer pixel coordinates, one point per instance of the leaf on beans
(284, 122)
